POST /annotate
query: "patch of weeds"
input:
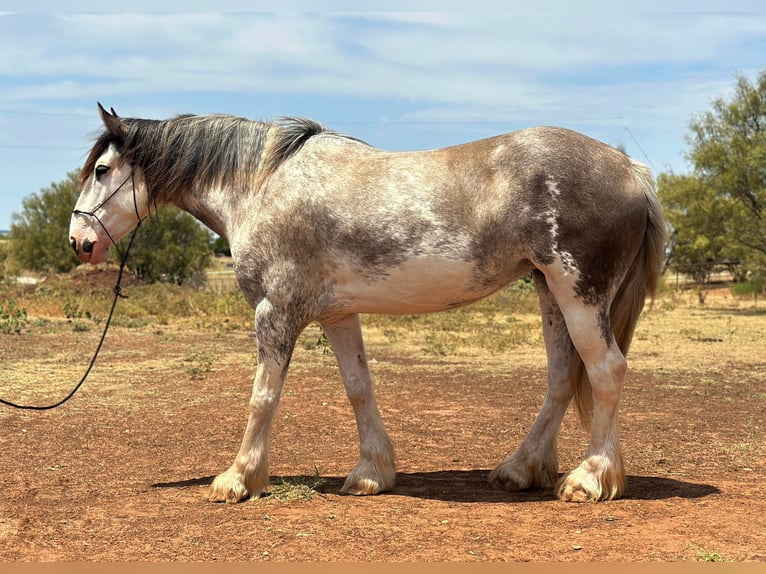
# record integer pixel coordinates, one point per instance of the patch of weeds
(286, 489)
(320, 342)
(74, 314)
(391, 334)
(41, 323)
(744, 289)
(72, 309)
(199, 364)
(12, 317)
(739, 448)
(673, 387)
(440, 344)
(690, 333)
(131, 322)
(704, 555)
(497, 338)
(668, 303)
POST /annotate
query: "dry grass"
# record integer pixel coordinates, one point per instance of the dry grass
(676, 332)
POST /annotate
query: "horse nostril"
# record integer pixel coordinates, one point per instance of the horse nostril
(73, 243)
(87, 246)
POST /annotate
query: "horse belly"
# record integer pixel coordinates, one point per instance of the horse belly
(420, 285)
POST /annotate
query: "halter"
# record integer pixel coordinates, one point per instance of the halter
(92, 213)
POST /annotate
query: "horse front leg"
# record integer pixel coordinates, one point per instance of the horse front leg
(248, 476)
(375, 472)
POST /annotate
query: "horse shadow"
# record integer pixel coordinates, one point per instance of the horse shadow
(473, 486)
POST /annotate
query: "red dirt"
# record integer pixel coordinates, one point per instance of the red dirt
(121, 472)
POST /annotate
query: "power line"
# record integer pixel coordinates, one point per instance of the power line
(635, 141)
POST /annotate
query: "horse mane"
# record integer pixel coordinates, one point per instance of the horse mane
(209, 150)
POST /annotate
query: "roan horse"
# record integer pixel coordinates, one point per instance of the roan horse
(323, 227)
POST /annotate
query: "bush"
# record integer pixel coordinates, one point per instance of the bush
(39, 238)
(12, 318)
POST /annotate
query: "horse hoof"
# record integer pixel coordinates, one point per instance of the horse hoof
(228, 487)
(596, 479)
(362, 487)
(575, 493)
(503, 478)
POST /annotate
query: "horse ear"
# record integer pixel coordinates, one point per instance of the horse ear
(112, 121)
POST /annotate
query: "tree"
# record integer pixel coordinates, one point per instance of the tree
(718, 213)
(702, 239)
(729, 153)
(39, 235)
(3, 258)
(221, 246)
(170, 246)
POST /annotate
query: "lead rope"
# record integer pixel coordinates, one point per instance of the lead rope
(117, 295)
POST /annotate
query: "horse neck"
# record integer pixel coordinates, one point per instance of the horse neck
(208, 212)
(209, 180)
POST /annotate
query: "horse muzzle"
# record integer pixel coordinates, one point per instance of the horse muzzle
(89, 251)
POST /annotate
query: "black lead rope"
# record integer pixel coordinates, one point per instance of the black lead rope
(117, 295)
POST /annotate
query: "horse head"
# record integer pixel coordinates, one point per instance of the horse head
(113, 198)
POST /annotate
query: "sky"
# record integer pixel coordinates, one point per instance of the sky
(400, 80)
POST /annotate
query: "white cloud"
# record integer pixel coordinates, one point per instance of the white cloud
(443, 58)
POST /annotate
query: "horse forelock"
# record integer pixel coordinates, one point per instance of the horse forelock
(99, 148)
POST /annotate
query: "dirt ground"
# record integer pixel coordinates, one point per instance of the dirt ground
(120, 473)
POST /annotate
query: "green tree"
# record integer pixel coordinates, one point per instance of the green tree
(718, 212)
(39, 235)
(3, 257)
(702, 240)
(729, 153)
(170, 246)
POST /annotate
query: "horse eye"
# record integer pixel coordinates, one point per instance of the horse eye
(101, 170)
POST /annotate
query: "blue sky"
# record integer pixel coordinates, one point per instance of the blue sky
(399, 80)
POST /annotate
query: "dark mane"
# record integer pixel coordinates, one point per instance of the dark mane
(212, 150)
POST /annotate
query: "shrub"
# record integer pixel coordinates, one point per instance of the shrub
(12, 318)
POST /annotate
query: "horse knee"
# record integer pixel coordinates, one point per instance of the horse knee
(607, 375)
(264, 404)
(560, 385)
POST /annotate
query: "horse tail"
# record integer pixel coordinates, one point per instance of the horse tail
(640, 281)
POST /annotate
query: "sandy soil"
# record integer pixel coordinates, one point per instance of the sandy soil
(121, 471)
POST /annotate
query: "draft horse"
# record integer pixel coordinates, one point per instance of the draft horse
(323, 227)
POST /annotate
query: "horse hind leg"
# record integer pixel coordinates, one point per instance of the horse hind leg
(375, 472)
(535, 463)
(601, 474)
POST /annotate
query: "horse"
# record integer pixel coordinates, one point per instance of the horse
(324, 227)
